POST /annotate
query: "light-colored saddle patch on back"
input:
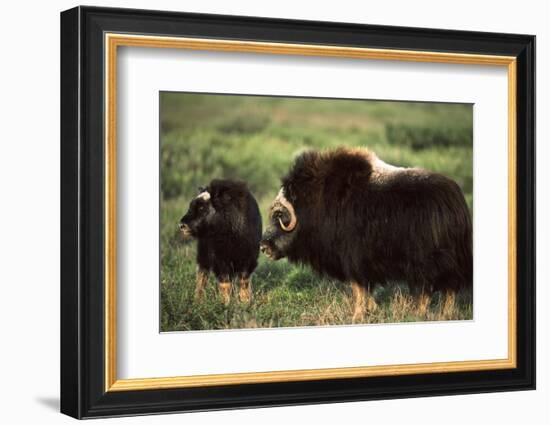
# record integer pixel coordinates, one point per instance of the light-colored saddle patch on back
(382, 171)
(381, 166)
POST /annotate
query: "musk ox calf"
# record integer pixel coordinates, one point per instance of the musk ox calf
(225, 220)
(354, 218)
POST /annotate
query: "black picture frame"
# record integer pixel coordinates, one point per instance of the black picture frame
(83, 392)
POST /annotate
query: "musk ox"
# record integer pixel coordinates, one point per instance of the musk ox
(354, 218)
(225, 220)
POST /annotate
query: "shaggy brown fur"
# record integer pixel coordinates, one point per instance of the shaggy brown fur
(364, 221)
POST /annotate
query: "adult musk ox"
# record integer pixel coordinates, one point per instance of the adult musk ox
(354, 218)
(226, 221)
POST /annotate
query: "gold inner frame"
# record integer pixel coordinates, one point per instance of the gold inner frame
(113, 41)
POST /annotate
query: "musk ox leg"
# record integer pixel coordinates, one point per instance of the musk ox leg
(449, 307)
(224, 286)
(371, 302)
(362, 301)
(202, 280)
(421, 293)
(423, 303)
(245, 288)
(359, 294)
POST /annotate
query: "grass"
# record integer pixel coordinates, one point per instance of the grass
(256, 139)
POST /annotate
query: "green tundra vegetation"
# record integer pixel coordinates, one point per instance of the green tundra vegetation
(254, 138)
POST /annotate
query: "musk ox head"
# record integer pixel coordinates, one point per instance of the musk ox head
(200, 213)
(281, 228)
(317, 181)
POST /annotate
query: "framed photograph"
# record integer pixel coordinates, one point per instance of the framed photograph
(261, 212)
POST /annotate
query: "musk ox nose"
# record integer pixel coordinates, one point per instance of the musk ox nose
(265, 242)
(269, 251)
(266, 248)
(184, 227)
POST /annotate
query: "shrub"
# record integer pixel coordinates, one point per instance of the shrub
(424, 137)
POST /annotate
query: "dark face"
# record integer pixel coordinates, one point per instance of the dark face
(197, 217)
(280, 231)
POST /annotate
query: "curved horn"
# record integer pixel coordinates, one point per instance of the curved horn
(284, 202)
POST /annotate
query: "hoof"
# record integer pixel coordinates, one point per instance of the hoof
(245, 296)
(357, 318)
(225, 292)
(371, 304)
